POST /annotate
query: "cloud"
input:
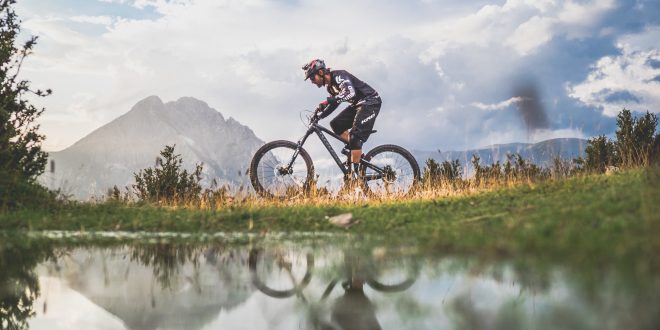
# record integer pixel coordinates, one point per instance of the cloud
(442, 68)
(531, 35)
(102, 20)
(498, 106)
(628, 80)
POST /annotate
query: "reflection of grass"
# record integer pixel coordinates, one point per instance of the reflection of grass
(617, 213)
(165, 259)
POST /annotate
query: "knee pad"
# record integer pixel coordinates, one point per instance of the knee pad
(354, 142)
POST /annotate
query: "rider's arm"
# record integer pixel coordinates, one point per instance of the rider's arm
(346, 92)
(328, 109)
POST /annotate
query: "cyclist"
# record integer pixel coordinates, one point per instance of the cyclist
(355, 123)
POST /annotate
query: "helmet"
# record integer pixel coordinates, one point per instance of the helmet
(312, 67)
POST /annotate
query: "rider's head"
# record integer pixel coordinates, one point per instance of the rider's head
(316, 71)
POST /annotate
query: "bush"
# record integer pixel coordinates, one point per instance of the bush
(16, 193)
(167, 182)
(435, 174)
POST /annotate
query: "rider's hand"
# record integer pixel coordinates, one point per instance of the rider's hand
(322, 106)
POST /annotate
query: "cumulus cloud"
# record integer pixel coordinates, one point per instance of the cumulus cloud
(532, 34)
(629, 80)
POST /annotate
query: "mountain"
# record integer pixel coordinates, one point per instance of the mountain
(111, 154)
(541, 153)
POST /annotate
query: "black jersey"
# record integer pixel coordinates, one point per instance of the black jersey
(345, 87)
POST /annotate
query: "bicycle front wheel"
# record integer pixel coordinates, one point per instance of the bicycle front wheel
(279, 169)
(279, 273)
(391, 171)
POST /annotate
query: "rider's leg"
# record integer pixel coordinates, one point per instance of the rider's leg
(343, 122)
(363, 123)
(355, 154)
(344, 136)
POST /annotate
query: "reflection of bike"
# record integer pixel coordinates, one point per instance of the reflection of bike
(352, 310)
(283, 168)
(298, 274)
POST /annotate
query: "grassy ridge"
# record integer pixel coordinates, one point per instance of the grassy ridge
(618, 212)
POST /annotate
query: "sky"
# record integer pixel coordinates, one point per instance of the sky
(452, 74)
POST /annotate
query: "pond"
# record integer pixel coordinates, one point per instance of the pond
(313, 281)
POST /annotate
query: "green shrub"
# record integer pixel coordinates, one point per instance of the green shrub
(17, 193)
(167, 181)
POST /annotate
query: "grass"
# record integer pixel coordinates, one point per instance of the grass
(617, 212)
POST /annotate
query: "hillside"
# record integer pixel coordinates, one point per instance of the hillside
(540, 153)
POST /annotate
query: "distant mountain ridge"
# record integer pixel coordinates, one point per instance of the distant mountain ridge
(540, 153)
(112, 153)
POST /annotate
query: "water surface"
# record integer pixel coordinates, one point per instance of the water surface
(311, 282)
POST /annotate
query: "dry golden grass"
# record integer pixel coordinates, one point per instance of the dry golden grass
(228, 197)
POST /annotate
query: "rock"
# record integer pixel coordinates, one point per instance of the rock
(344, 220)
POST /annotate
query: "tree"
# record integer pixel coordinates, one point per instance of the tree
(635, 138)
(21, 156)
(600, 153)
(644, 137)
(625, 140)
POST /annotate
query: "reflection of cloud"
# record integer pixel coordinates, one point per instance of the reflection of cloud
(80, 312)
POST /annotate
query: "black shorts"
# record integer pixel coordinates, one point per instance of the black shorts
(360, 120)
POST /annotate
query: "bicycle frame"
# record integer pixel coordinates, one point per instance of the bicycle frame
(319, 130)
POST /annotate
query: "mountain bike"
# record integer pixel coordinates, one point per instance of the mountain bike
(284, 168)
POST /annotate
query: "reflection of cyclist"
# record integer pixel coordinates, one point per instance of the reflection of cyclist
(354, 310)
(359, 116)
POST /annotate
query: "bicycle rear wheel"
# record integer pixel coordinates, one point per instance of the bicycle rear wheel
(271, 175)
(394, 171)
